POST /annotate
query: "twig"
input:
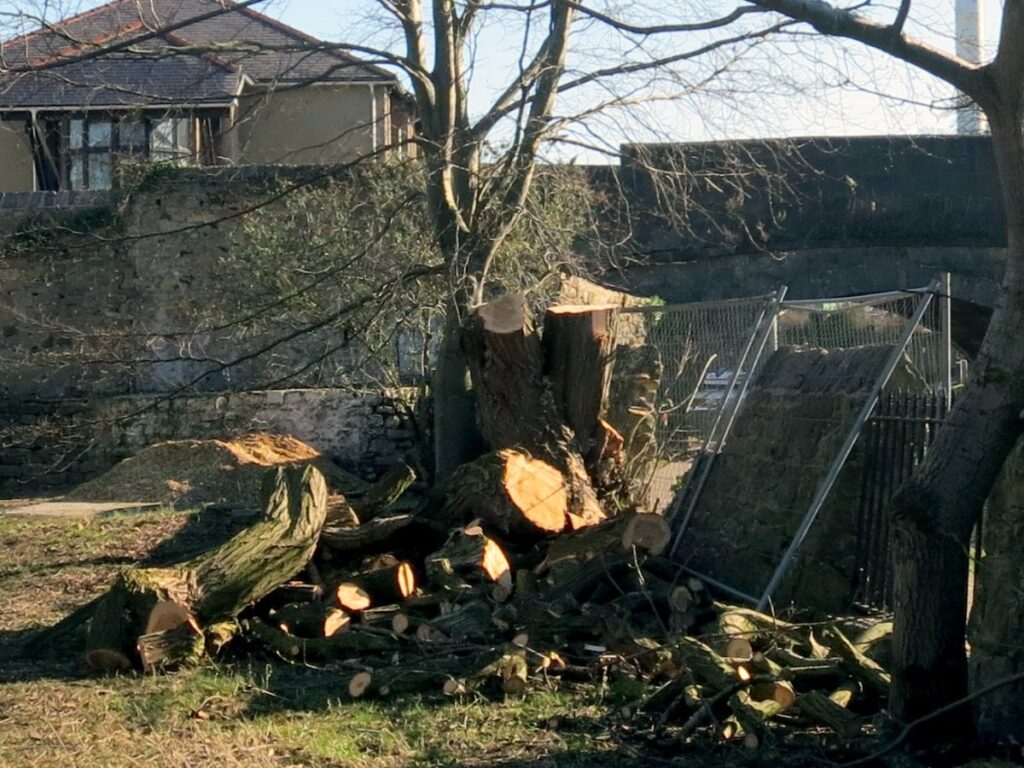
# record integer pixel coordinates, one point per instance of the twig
(704, 711)
(909, 727)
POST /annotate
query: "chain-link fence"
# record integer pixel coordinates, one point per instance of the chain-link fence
(678, 370)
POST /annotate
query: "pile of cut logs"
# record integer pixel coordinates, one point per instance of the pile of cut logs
(509, 571)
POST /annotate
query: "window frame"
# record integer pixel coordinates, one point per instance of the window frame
(112, 149)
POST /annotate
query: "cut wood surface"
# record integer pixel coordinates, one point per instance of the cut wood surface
(381, 586)
(219, 584)
(514, 495)
(469, 556)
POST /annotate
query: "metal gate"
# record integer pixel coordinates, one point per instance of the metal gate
(895, 439)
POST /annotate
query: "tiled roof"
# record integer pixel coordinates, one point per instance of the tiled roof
(249, 45)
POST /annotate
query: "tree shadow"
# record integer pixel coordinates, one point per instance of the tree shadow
(202, 532)
(23, 660)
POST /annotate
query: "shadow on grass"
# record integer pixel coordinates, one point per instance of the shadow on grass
(31, 653)
(201, 532)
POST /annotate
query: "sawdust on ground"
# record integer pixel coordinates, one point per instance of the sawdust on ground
(191, 473)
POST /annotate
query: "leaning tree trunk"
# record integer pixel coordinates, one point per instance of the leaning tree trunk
(154, 616)
(933, 516)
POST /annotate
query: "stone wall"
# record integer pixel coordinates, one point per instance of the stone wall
(55, 444)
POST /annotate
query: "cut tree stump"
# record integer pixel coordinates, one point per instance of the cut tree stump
(515, 408)
(578, 345)
(218, 584)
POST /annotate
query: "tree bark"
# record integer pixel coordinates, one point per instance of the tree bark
(934, 514)
(997, 619)
(216, 585)
(457, 438)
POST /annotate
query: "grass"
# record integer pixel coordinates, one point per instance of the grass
(254, 712)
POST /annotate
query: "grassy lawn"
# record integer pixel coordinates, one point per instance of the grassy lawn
(256, 711)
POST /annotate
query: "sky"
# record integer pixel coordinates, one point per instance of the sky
(797, 87)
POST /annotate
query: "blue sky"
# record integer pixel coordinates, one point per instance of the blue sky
(804, 87)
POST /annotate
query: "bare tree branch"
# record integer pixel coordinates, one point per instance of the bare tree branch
(839, 22)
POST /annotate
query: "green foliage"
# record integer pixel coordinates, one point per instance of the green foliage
(59, 228)
(323, 246)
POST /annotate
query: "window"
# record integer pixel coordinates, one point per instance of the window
(95, 143)
(170, 140)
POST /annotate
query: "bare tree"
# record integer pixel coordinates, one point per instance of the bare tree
(934, 515)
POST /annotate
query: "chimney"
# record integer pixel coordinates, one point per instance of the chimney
(969, 119)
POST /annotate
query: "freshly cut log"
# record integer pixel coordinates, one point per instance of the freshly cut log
(648, 533)
(309, 619)
(469, 556)
(171, 647)
(339, 646)
(218, 584)
(380, 496)
(390, 617)
(680, 599)
(352, 597)
(516, 496)
(382, 586)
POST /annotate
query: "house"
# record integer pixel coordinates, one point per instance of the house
(201, 82)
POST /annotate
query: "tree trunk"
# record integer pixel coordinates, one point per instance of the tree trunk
(219, 584)
(578, 348)
(514, 407)
(997, 620)
(934, 514)
(457, 438)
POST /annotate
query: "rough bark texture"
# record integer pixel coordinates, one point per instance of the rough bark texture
(514, 407)
(934, 515)
(219, 584)
(380, 496)
(997, 620)
(578, 344)
(505, 364)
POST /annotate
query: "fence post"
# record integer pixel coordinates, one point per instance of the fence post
(851, 439)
